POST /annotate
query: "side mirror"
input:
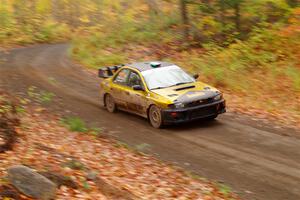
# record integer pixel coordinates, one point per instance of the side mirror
(137, 88)
(196, 76)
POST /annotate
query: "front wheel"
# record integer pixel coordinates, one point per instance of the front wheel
(155, 117)
(110, 103)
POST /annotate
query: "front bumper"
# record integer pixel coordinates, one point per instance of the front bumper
(193, 113)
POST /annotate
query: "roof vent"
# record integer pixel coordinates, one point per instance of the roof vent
(155, 64)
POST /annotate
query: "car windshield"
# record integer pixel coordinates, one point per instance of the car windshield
(164, 77)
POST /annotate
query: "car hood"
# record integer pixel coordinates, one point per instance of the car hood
(187, 92)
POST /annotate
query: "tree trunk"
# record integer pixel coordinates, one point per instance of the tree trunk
(185, 20)
(152, 4)
(222, 12)
(293, 3)
(237, 17)
(222, 19)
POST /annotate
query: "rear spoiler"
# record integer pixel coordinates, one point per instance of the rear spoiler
(106, 72)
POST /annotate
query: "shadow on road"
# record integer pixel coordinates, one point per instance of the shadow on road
(198, 124)
(187, 126)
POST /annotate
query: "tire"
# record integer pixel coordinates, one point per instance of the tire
(155, 117)
(110, 103)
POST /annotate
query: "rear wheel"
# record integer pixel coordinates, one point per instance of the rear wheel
(155, 117)
(110, 103)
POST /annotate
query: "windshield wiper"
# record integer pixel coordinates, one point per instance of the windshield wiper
(181, 83)
(158, 88)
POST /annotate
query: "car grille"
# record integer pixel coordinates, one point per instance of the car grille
(200, 102)
(205, 111)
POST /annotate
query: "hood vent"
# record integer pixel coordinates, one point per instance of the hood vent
(173, 95)
(184, 88)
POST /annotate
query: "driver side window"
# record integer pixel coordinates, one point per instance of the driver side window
(134, 79)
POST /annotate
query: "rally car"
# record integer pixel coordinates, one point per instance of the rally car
(160, 91)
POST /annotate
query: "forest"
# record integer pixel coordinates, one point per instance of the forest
(248, 48)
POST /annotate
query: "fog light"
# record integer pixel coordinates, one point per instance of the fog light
(174, 114)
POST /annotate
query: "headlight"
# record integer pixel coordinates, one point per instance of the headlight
(177, 105)
(218, 97)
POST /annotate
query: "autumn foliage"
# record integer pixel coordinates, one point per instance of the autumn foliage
(249, 49)
(89, 166)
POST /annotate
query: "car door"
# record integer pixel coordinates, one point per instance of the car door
(137, 98)
(119, 88)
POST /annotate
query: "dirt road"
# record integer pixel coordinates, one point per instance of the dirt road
(256, 160)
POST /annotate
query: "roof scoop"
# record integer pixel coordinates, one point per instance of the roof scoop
(155, 64)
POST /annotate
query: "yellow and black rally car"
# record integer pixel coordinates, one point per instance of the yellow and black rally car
(159, 91)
